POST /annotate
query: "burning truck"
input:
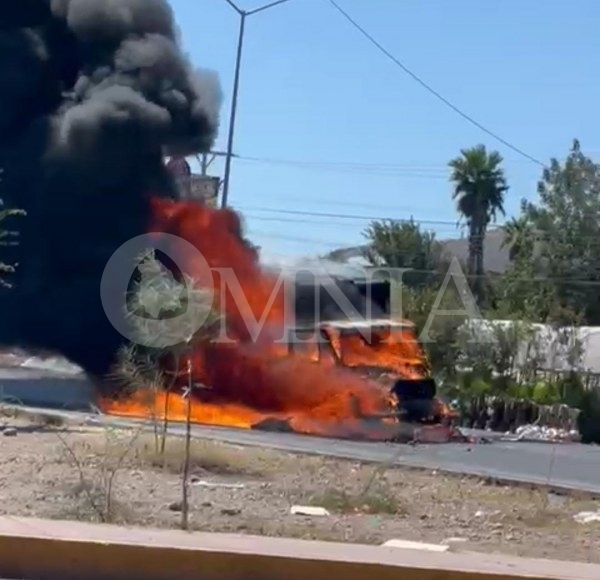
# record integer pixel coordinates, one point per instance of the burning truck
(343, 372)
(364, 337)
(95, 94)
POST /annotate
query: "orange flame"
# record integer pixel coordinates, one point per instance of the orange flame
(253, 380)
(395, 350)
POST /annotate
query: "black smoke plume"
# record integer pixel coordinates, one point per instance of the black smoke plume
(93, 93)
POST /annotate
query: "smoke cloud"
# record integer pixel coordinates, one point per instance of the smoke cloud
(93, 94)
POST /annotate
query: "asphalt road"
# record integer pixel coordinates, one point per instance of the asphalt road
(567, 465)
(571, 466)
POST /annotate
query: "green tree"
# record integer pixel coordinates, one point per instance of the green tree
(555, 245)
(479, 190)
(396, 244)
(523, 293)
(439, 334)
(152, 361)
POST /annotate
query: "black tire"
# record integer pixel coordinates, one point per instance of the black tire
(589, 427)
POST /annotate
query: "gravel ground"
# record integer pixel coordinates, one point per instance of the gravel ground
(58, 471)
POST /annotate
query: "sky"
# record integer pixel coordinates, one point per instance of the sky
(327, 124)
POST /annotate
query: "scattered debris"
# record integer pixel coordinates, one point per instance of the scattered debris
(484, 514)
(500, 415)
(587, 517)
(540, 433)
(435, 434)
(454, 543)
(477, 440)
(556, 499)
(445, 434)
(404, 433)
(215, 484)
(9, 432)
(407, 545)
(305, 510)
(274, 425)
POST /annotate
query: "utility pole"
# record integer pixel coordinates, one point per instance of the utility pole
(243, 14)
(206, 159)
(205, 162)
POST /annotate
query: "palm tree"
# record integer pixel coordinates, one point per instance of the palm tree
(479, 189)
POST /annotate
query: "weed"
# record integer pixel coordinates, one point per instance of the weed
(204, 456)
(380, 501)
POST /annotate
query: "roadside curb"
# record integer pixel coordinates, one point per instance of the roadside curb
(45, 550)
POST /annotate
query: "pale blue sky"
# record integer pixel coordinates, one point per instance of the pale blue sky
(314, 91)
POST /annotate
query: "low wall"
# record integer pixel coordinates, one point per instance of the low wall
(47, 550)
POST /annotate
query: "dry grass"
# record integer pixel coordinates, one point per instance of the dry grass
(86, 501)
(374, 502)
(215, 458)
(205, 456)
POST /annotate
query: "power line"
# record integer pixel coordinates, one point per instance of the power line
(389, 170)
(327, 223)
(349, 216)
(337, 203)
(367, 241)
(301, 240)
(344, 163)
(428, 87)
(263, 218)
(530, 279)
(537, 235)
(357, 164)
(342, 245)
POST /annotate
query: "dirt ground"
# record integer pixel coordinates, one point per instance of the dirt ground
(52, 470)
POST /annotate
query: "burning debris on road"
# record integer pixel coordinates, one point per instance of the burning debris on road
(95, 93)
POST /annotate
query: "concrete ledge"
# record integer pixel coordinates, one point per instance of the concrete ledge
(50, 550)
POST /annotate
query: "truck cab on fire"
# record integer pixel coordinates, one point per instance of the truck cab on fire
(383, 350)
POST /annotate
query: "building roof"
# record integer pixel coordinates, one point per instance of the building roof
(358, 324)
(496, 258)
